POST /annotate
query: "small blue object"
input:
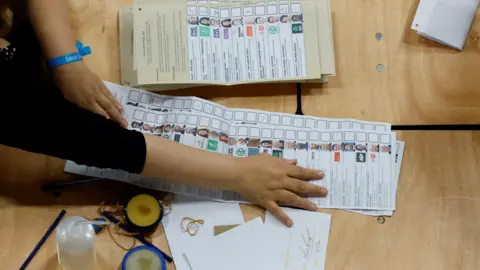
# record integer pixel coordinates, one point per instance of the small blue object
(71, 58)
(98, 228)
(66, 59)
(149, 248)
(83, 50)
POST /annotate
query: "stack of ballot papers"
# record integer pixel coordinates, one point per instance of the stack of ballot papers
(445, 21)
(170, 44)
(361, 160)
(253, 245)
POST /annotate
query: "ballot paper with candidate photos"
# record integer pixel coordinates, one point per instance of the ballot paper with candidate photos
(398, 166)
(356, 156)
(173, 44)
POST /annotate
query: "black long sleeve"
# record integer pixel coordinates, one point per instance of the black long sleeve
(40, 122)
(35, 117)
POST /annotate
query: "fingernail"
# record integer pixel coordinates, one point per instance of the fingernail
(125, 123)
(119, 107)
(313, 207)
(106, 116)
(320, 174)
(289, 223)
(325, 191)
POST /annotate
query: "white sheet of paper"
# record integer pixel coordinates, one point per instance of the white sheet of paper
(213, 214)
(424, 11)
(304, 246)
(445, 21)
(245, 247)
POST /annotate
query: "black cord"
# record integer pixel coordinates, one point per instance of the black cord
(299, 99)
(59, 185)
(451, 127)
(457, 127)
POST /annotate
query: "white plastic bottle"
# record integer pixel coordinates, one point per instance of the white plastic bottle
(75, 239)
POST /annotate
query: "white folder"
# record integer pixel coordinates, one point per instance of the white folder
(445, 21)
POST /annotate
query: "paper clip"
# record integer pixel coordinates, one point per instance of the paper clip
(190, 225)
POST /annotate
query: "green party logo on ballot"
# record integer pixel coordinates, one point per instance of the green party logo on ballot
(204, 31)
(272, 29)
(212, 145)
(240, 152)
(297, 28)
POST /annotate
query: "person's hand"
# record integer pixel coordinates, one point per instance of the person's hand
(6, 21)
(82, 87)
(267, 180)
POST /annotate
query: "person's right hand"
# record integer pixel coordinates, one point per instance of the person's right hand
(6, 21)
(267, 181)
(82, 87)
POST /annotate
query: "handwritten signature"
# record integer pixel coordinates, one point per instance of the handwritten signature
(309, 246)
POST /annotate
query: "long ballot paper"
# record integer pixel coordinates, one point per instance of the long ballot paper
(172, 44)
(356, 156)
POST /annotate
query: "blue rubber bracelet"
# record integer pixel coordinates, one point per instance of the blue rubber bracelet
(83, 50)
(66, 59)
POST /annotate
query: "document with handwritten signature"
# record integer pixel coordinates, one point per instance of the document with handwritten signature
(304, 246)
(266, 246)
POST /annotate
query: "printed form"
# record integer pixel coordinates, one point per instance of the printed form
(213, 42)
(356, 156)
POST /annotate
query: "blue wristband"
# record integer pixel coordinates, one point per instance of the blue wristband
(66, 59)
(83, 50)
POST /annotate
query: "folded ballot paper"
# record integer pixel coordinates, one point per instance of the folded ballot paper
(171, 44)
(445, 21)
(359, 158)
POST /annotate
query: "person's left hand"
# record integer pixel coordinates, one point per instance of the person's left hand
(82, 87)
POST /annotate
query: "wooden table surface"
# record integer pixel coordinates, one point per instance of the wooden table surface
(438, 203)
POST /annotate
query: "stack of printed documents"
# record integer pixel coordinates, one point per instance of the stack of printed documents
(170, 44)
(361, 160)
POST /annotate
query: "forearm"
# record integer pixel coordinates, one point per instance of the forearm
(51, 23)
(176, 162)
(62, 129)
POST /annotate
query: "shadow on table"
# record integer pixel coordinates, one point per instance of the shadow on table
(23, 173)
(92, 193)
(246, 90)
(51, 263)
(101, 263)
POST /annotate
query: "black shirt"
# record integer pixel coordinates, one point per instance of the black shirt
(36, 117)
